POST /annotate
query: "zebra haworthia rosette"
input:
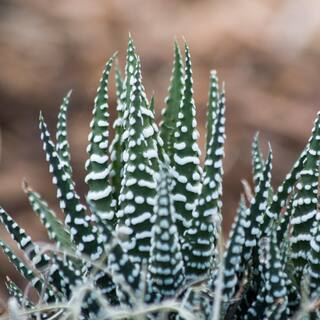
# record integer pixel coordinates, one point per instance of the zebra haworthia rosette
(146, 241)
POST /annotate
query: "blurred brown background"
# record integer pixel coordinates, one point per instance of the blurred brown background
(267, 52)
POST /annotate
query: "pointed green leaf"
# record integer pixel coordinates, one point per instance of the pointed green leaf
(63, 148)
(213, 102)
(201, 237)
(130, 69)
(120, 125)
(305, 202)
(125, 274)
(76, 219)
(273, 286)
(65, 274)
(186, 162)
(232, 256)
(280, 198)
(257, 160)
(166, 265)
(138, 186)
(173, 101)
(24, 241)
(119, 81)
(16, 292)
(97, 167)
(56, 230)
(257, 212)
(82, 232)
(36, 280)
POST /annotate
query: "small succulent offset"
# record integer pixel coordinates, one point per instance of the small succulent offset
(147, 242)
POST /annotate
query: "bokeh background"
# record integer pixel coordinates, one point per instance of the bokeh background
(266, 51)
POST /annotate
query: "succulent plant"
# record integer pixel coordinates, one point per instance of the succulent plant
(147, 242)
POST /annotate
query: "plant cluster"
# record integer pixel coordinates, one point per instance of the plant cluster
(147, 240)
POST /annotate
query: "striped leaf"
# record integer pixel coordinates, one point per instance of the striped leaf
(173, 101)
(97, 166)
(305, 201)
(201, 237)
(257, 160)
(45, 290)
(63, 148)
(166, 265)
(186, 168)
(24, 241)
(138, 186)
(56, 230)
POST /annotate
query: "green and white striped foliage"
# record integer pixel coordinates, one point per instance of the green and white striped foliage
(125, 274)
(56, 271)
(256, 212)
(32, 251)
(57, 231)
(149, 236)
(281, 198)
(150, 132)
(119, 143)
(305, 203)
(314, 262)
(155, 135)
(232, 255)
(81, 230)
(63, 148)
(173, 101)
(97, 166)
(273, 287)
(257, 160)
(201, 237)
(126, 102)
(166, 266)
(15, 291)
(212, 106)
(186, 163)
(65, 271)
(116, 148)
(138, 186)
(283, 223)
(154, 141)
(45, 291)
(83, 233)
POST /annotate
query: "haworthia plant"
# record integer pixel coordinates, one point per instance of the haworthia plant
(147, 242)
